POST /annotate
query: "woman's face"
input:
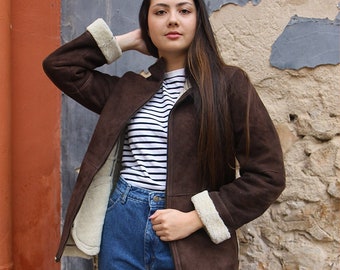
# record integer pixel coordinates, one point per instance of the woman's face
(172, 26)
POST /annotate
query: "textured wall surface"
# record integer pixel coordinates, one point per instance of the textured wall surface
(301, 230)
(213, 5)
(307, 42)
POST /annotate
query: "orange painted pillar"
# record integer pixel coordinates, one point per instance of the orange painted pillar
(35, 135)
(6, 261)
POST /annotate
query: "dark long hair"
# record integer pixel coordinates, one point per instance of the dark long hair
(206, 71)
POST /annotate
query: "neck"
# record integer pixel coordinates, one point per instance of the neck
(174, 62)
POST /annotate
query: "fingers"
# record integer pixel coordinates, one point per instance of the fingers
(160, 231)
(153, 216)
(159, 225)
(158, 216)
(171, 224)
(163, 224)
(163, 233)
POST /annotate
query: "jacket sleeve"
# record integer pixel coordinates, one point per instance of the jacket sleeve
(72, 66)
(262, 176)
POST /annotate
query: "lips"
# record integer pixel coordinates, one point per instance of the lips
(173, 35)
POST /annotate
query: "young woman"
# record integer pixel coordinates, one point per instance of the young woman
(176, 201)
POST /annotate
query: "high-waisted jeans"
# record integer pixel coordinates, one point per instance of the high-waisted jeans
(128, 240)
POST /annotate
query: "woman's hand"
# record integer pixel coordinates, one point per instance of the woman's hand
(132, 41)
(171, 224)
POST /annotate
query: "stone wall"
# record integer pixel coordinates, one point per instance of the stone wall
(302, 229)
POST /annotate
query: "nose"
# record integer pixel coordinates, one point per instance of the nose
(173, 20)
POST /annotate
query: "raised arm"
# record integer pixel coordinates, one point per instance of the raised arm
(72, 67)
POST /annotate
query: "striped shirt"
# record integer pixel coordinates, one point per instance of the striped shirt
(144, 160)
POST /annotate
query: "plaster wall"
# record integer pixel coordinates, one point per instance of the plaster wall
(301, 230)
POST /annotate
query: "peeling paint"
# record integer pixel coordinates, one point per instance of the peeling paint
(214, 5)
(307, 42)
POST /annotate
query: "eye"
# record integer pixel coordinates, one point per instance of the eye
(160, 12)
(184, 11)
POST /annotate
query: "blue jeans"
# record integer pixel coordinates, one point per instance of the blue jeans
(128, 240)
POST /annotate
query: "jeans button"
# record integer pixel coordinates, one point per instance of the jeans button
(155, 198)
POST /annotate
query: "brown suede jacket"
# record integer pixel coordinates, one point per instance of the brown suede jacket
(238, 201)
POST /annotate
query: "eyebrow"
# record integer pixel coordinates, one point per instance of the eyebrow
(177, 5)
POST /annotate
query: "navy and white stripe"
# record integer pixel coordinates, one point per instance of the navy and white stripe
(144, 161)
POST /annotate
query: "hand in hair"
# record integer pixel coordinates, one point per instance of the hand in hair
(132, 41)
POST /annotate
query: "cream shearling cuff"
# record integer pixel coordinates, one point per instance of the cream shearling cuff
(210, 218)
(105, 40)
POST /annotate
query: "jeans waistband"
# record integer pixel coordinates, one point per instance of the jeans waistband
(153, 198)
